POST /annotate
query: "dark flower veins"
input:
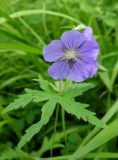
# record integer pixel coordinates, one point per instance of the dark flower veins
(74, 55)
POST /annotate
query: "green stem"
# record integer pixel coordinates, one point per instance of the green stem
(56, 119)
(55, 126)
(64, 125)
(63, 119)
(63, 114)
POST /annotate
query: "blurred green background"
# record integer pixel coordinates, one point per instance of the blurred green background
(26, 26)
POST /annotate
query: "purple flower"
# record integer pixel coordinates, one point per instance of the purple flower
(74, 56)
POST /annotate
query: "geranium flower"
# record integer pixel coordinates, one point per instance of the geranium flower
(74, 55)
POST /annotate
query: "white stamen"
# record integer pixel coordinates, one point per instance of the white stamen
(70, 54)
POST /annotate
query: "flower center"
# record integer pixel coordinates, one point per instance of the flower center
(71, 62)
(70, 55)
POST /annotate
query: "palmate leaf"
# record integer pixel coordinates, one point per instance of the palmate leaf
(23, 100)
(77, 89)
(80, 111)
(52, 98)
(44, 84)
(47, 111)
(38, 96)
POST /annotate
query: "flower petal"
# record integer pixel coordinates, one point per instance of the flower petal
(88, 32)
(82, 71)
(72, 39)
(76, 74)
(88, 52)
(53, 51)
(88, 70)
(59, 69)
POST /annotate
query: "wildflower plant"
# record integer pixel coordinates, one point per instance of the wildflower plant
(75, 60)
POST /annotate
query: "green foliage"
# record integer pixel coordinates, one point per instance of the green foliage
(13, 154)
(80, 111)
(4, 5)
(109, 79)
(47, 111)
(76, 108)
(101, 138)
(25, 27)
(22, 101)
(77, 90)
(18, 46)
(48, 142)
(44, 84)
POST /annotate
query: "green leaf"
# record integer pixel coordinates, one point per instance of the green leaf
(13, 154)
(25, 99)
(20, 102)
(111, 112)
(114, 73)
(102, 68)
(106, 80)
(101, 138)
(10, 31)
(44, 84)
(11, 80)
(39, 11)
(47, 111)
(77, 89)
(80, 111)
(55, 140)
(19, 46)
(102, 155)
(38, 96)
